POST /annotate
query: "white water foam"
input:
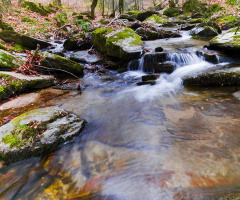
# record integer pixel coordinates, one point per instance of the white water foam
(167, 84)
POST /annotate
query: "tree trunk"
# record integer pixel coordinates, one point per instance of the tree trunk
(113, 9)
(103, 8)
(121, 6)
(93, 6)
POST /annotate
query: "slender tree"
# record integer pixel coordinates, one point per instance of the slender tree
(103, 4)
(93, 6)
(57, 2)
(121, 6)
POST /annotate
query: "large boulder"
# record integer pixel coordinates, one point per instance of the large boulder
(62, 65)
(13, 83)
(121, 43)
(228, 42)
(26, 41)
(9, 61)
(149, 34)
(37, 132)
(204, 31)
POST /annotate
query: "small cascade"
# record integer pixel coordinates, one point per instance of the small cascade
(183, 58)
(147, 62)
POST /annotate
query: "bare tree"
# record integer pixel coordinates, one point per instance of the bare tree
(120, 6)
(93, 6)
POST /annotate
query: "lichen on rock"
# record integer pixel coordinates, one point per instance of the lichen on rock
(37, 132)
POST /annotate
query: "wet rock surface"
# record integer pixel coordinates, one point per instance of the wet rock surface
(16, 83)
(38, 132)
(227, 42)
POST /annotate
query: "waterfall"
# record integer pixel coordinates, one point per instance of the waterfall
(147, 61)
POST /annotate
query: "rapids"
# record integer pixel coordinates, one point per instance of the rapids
(141, 142)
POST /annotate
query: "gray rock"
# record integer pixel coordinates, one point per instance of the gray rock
(19, 83)
(167, 67)
(37, 132)
(228, 42)
(10, 61)
(61, 65)
(204, 31)
(237, 95)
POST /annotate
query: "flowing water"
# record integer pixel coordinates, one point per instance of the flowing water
(142, 142)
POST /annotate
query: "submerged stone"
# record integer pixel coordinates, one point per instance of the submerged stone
(237, 95)
(78, 42)
(37, 132)
(150, 77)
(121, 43)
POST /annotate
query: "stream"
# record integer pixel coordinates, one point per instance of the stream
(146, 142)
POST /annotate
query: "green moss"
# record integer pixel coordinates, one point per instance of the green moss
(195, 37)
(2, 46)
(193, 21)
(213, 8)
(27, 19)
(17, 48)
(34, 7)
(133, 12)
(171, 12)
(103, 21)
(156, 19)
(8, 61)
(61, 19)
(12, 140)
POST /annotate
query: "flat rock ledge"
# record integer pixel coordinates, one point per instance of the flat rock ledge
(15, 83)
(38, 132)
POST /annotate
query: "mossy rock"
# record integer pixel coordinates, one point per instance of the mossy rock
(2, 46)
(155, 19)
(148, 34)
(34, 7)
(228, 78)
(17, 83)
(78, 42)
(172, 12)
(26, 41)
(8, 61)
(38, 132)
(17, 48)
(145, 14)
(130, 17)
(194, 6)
(121, 43)
(205, 31)
(5, 26)
(228, 42)
(195, 21)
(60, 64)
(228, 21)
(213, 8)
